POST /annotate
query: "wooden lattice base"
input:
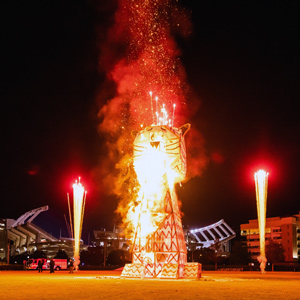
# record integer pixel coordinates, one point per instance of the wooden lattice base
(192, 270)
(167, 271)
(133, 270)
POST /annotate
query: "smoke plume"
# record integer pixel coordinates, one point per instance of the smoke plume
(140, 55)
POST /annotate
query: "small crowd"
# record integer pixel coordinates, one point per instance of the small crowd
(52, 265)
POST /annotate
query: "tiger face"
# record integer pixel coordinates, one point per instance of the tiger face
(167, 140)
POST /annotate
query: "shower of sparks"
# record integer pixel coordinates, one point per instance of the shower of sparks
(174, 106)
(261, 188)
(79, 196)
(162, 118)
(150, 93)
(150, 81)
(151, 64)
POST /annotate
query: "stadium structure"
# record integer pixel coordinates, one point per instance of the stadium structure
(27, 234)
(34, 230)
(205, 237)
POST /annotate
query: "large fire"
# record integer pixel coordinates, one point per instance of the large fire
(159, 157)
(141, 57)
(159, 162)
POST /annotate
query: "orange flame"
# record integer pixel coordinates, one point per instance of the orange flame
(156, 152)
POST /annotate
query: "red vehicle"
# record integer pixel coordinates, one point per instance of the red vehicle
(60, 264)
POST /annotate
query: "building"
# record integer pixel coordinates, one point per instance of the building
(27, 234)
(205, 237)
(284, 230)
(3, 240)
(110, 240)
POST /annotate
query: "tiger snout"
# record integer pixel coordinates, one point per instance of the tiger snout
(154, 144)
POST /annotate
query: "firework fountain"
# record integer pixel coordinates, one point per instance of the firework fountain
(79, 197)
(261, 188)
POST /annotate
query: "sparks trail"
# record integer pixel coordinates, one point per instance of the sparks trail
(150, 63)
(79, 197)
(161, 116)
(261, 188)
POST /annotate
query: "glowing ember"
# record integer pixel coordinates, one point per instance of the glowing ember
(261, 188)
(79, 196)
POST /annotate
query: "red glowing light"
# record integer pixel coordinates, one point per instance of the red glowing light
(217, 157)
(34, 170)
(259, 160)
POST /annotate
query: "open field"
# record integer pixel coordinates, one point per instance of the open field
(107, 285)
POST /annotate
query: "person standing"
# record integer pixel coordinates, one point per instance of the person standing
(40, 265)
(71, 266)
(52, 264)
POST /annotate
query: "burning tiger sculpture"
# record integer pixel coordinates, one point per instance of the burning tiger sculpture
(160, 162)
(169, 140)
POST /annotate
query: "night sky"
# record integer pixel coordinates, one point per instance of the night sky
(242, 65)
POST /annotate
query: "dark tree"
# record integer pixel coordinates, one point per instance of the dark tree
(19, 258)
(203, 256)
(117, 257)
(239, 254)
(61, 254)
(194, 251)
(274, 253)
(38, 254)
(94, 256)
(215, 253)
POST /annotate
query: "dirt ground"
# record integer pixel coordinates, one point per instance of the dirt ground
(108, 285)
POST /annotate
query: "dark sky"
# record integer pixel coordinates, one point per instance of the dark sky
(242, 63)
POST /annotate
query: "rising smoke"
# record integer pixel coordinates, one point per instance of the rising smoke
(140, 54)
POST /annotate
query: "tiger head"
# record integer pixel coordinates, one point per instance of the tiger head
(169, 140)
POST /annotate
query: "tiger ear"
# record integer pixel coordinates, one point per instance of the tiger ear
(134, 133)
(185, 128)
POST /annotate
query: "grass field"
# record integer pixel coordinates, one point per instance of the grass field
(107, 285)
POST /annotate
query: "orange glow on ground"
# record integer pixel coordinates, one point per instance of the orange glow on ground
(106, 285)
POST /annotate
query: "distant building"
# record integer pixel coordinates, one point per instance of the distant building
(205, 237)
(284, 230)
(52, 247)
(111, 240)
(3, 240)
(24, 235)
